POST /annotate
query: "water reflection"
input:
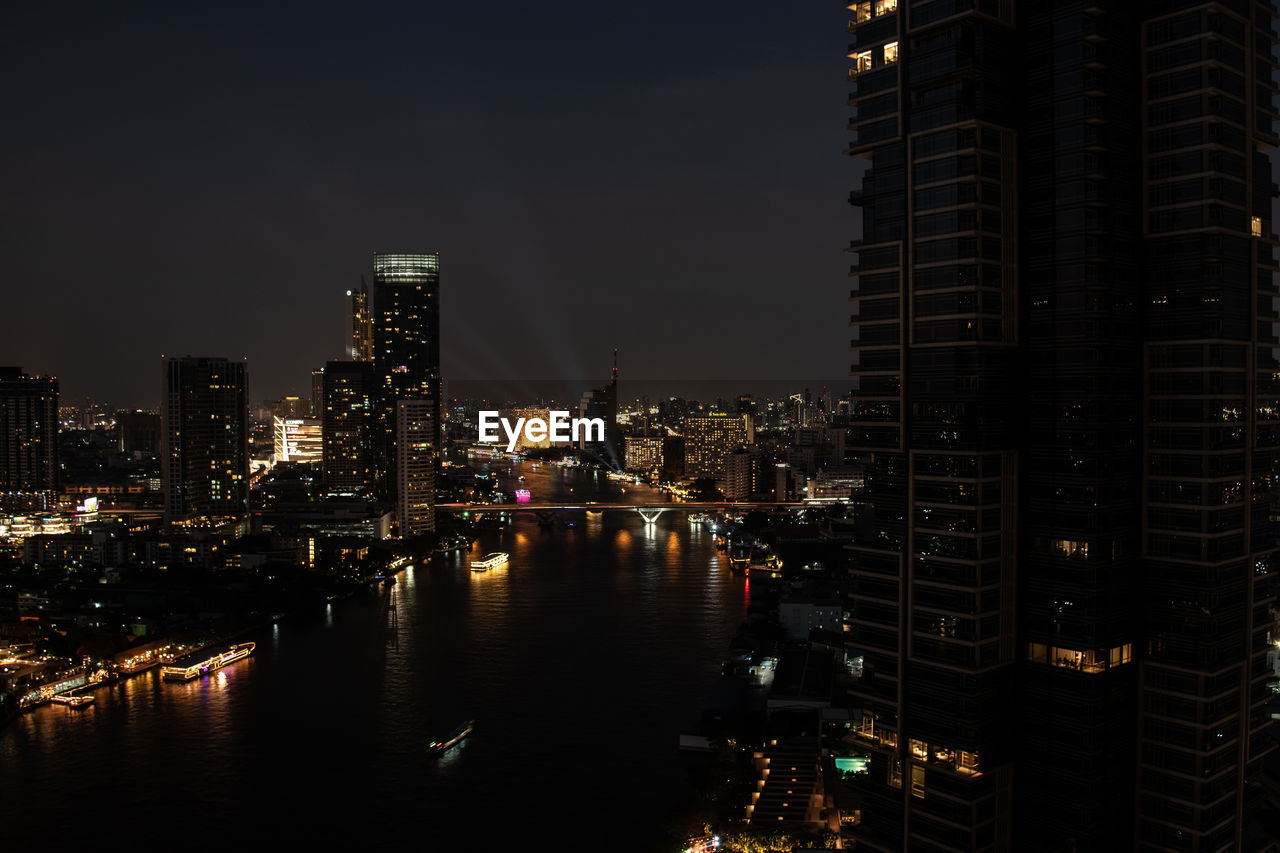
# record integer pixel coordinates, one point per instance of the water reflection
(611, 626)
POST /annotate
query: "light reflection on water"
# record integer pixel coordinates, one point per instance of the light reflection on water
(581, 661)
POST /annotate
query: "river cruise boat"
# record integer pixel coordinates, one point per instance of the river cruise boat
(196, 665)
(489, 561)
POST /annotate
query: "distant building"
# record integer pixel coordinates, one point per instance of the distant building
(349, 426)
(708, 440)
(297, 440)
(739, 476)
(205, 457)
(360, 317)
(672, 457)
(292, 407)
(836, 482)
(317, 391)
(138, 432)
(603, 403)
(643, 452)
(415, 466)
(747, 409)
(28, 440)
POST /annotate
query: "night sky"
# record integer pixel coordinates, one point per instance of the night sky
(665, 177)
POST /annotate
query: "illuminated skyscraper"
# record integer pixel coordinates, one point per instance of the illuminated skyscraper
(415, 467)
(360, 317)
(205, 458)
(349, 426)
(28, 440)
(1064, 344)
(407, 331)
(407, 359)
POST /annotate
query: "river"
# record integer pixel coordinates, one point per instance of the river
(581, 662)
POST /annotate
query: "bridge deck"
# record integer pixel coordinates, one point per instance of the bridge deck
(688, 506)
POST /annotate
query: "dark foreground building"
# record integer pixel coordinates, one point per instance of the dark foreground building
(205, 454)
(1065, 343)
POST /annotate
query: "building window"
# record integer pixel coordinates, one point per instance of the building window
(884, 7)
(1257, 226)
(864, 61)
(1070, 548)
(891, 56)
(917, 782)
(861, 11)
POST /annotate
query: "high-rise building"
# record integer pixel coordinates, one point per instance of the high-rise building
(28, 440)
(1064, 344)
(415, 466)
(747, 409)
(360, 319)
(643, 452)
(708, 440)
(138, 432)
(205, 455)
(317, 392)
(349, 426)
(407, 360)
(292, 407)
(407, 328)
(739, 474)
(603, 403)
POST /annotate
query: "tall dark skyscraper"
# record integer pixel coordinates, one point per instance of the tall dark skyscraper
(406, 355)
(28, 440)
(360, 319)
(1065, 349)
(205, 457)
(349, 421)
(603, 403)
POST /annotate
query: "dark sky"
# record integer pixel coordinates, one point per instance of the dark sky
(665, 177)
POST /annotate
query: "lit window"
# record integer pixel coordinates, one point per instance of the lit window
(884, 7)
(861, 11)
(864, 61)
(1257, 226)
(917, 782)
(891, 53)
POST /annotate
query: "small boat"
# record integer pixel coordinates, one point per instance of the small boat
(77, 700)
(489, 561)
(439, 747)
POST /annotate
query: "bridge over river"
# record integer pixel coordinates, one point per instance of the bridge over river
(649, 511)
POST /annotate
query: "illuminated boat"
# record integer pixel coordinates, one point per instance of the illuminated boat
(489, 561)
(78, 700)
(439, 747)
(185, 670)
